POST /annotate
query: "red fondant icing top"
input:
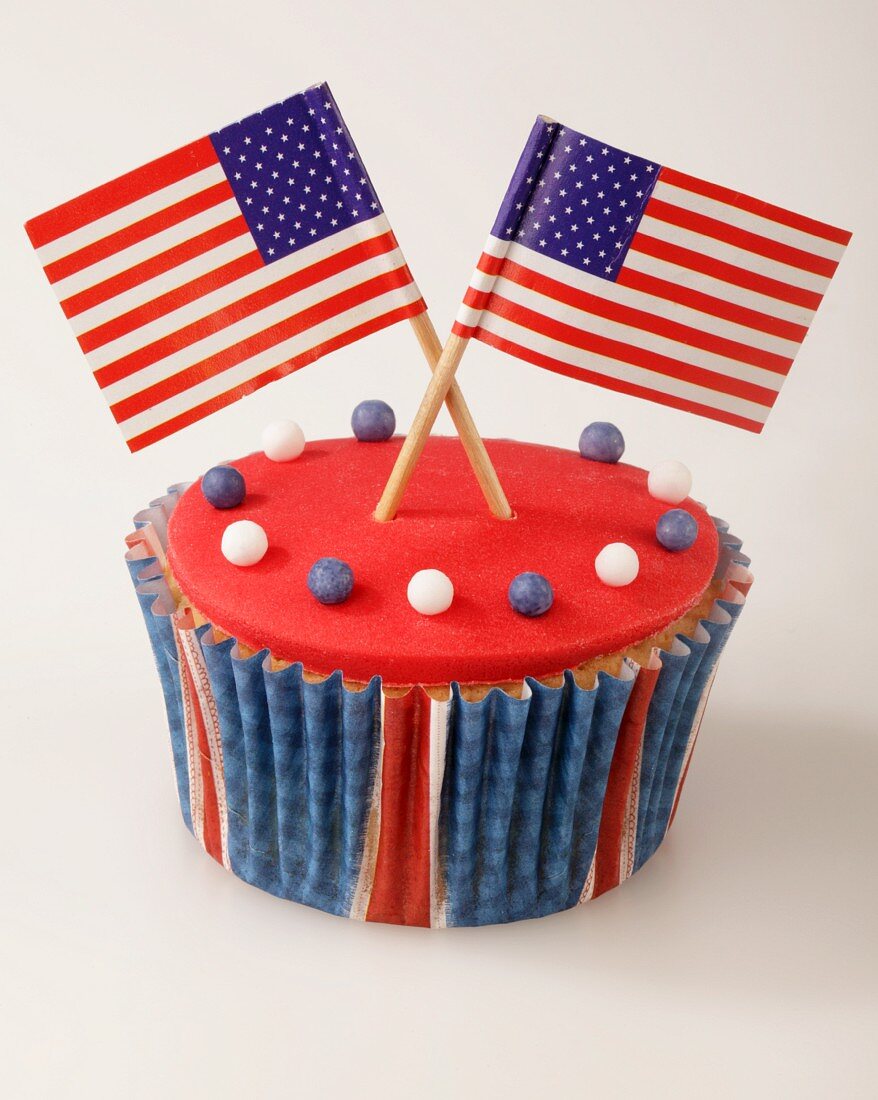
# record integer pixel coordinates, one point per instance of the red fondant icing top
(567, 509)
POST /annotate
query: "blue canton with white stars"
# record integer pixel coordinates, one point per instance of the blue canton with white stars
(576, 199)
(296, 173)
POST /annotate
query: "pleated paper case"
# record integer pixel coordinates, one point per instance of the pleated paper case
(405, 808)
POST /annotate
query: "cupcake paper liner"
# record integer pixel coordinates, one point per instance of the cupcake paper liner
(406, 809)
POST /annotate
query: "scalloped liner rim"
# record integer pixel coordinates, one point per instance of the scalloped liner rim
(148, 541)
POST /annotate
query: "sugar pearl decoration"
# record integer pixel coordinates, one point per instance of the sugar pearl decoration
(283, 440)
(670, 482)
(244, 542)
(617, 564)
(530, 594)
(373, 421)
(430, 592)
(676, 529)
(601, 442)
(223, 487)
(330, 580)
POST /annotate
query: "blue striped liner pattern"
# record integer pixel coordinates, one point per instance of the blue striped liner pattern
(299, 760)
(522, 796)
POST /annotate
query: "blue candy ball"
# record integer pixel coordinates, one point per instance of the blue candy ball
(373, 421)
(330, 580)
(223, 487)
(677, 529)
(530, 594)
(601, 442)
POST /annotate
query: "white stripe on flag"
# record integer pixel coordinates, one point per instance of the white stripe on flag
(215, 258)
(222, 338)
(494, 246)
(658, 307)
(481, 280)
(730, 254)
(497, 248)
(133, 212)
(744, 219)
(636, 337)
(266, 360)
(719, 288)
(154, 288)
(147, 249)
(612, 368)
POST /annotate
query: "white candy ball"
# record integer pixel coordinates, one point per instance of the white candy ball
(244, 542)
(430, 592)
(283, 440)
(617, 564)
(670, 482)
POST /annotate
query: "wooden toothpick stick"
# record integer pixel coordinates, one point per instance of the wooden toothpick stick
(441, 384)
(442, 388)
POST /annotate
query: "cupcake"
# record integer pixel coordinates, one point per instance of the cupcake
(446, 719)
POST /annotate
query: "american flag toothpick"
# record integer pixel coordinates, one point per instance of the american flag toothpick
(608, 267)
(229, 263)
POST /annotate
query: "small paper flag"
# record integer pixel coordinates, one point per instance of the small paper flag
(615, 269)
(225, 265)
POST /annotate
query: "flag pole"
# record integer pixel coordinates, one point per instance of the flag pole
(451, 394)
(442, 387)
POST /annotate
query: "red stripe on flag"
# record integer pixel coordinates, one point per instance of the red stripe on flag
(739, 238)
(728, 273)
(112, 196)
(619, 385)
(489, 264)
(707, 303)
(640, 319)
(198, 412)
(261, 341)
(629, 353)
(138, 231)
(401, 888)
(608, 872)
(156, 265)
(476, 299)
(756, 206)
(167, 303)
(249, 304)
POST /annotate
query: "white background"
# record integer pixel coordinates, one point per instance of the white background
(741, 961)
